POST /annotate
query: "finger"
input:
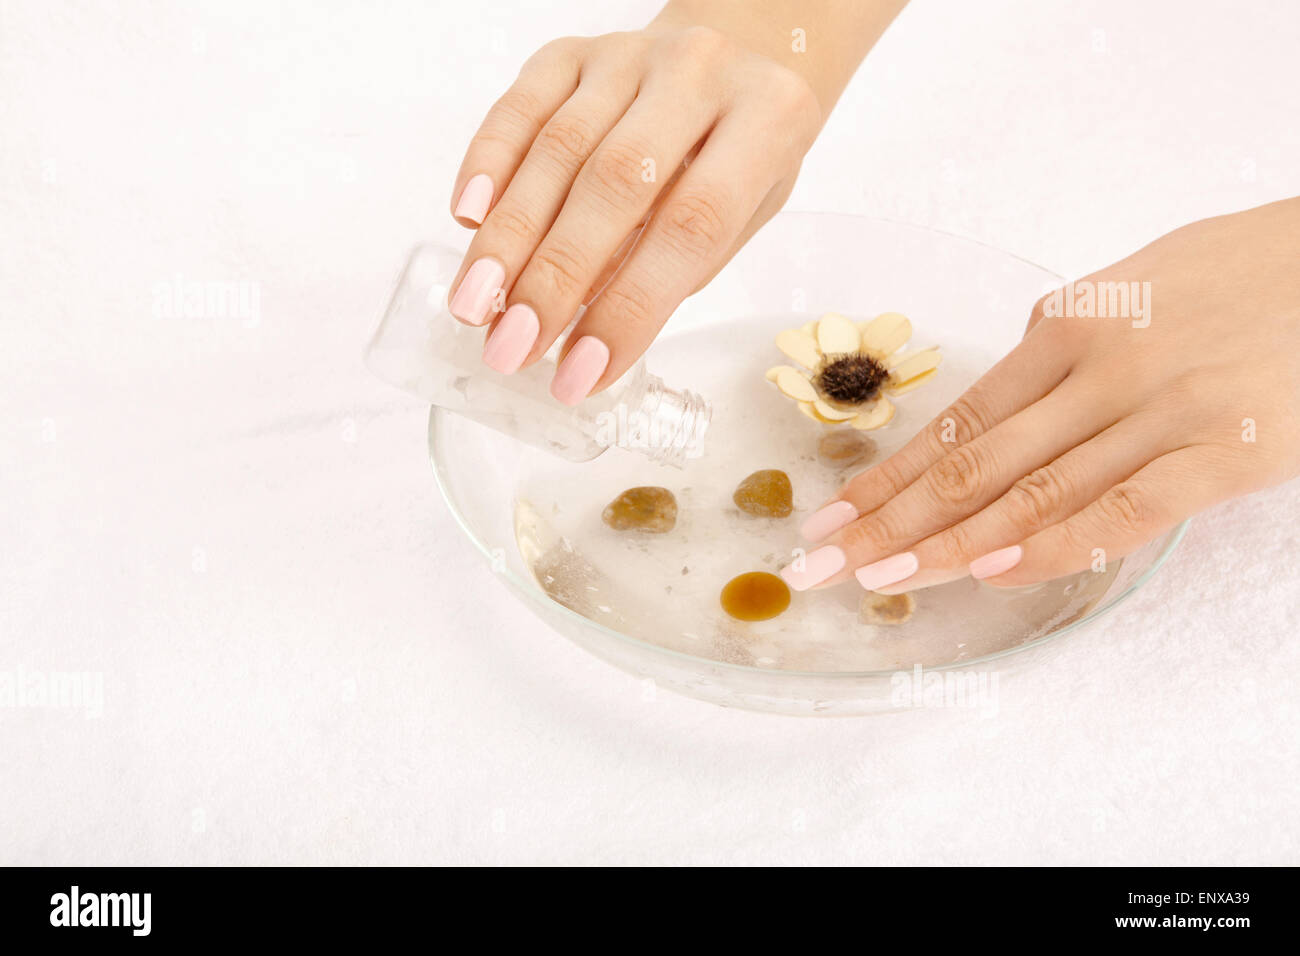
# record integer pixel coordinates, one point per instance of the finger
(768, 208)
(875, 546)
(1040, 499)
(629, 242)
(615, 261)
(1116, 524)
(548, 79)
(610, 197)
(691, 231)
(513, 230)
(1027, 373)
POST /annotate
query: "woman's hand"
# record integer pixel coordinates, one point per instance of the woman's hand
(681, 138)
(1095, 434)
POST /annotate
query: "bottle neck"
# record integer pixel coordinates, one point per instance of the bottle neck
(664, 424)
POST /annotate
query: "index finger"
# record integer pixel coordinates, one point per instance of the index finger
(545, 81)
(873, 547)
(1024, 376)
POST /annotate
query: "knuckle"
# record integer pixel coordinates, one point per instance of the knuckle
(560, 48)
(511, 222)
(956, 546)
(620, 51)
(1039, 496)
(516, 112)
(963, 421)
(1073, 538)
(1127, 508)
(559, 269)
(567, 140)
(616, 171)
(882, 482)
(631, 304)
(1046, 318)
(497, 135)
(562, 53)
(869, 537)
(695, 222)
(959, 477)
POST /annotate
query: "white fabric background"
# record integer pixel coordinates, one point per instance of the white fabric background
(304, 661)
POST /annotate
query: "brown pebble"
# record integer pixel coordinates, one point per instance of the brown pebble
(886, 608)
(755, 596)
(649, 509)
(843, 447)
(765, 494)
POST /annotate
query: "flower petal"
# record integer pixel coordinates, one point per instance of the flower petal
(800, 346)
(836, 335)
(795, 384)
(876, 415)
(902, 388)
(833, 414)
(807, 409)
(886, 333)
(904, 368)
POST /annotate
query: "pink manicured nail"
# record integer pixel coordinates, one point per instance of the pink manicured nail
(580, 370)
(924, 578)
(512, 339)
(474, 299)
(996, 562)
(475, 199)
(826, 521)
(887, 571)
(817, 567)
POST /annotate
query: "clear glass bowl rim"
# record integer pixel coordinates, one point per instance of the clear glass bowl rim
(532, 592)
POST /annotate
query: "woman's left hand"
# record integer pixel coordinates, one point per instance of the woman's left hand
(1095, 434)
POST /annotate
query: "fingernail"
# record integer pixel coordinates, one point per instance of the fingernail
(817, 567)
(512, 339)
(580, 370)
(996, 562)
(474, 299)
(887, 571)
(826, 521)
(925, 578)
(475, 199)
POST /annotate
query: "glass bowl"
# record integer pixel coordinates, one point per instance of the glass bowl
(536, 518)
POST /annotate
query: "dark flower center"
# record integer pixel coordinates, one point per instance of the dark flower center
(851, 379)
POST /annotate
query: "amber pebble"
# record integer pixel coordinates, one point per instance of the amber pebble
(766, 494)
(844, 447)
(886, 608)
(649, 509)
(755, 596)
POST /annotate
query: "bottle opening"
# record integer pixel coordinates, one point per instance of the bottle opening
(665, 425)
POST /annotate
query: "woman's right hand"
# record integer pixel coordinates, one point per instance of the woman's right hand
(569, 165)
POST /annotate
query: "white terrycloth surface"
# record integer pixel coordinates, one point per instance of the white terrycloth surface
(303, 661)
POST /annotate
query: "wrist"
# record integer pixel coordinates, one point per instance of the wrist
(823, 41)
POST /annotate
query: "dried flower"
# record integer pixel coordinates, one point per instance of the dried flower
(846, 367)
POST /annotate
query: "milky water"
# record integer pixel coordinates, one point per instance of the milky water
(664, 588)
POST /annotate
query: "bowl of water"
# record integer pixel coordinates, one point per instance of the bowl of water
(648, 603)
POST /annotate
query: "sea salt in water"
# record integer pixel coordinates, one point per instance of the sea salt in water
(664, 588)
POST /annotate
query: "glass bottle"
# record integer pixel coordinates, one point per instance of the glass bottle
(423, 350)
